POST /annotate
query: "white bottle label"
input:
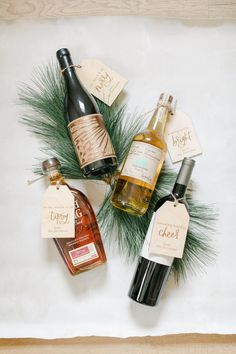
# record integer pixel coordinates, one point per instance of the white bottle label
(165, 260)
(142, 162)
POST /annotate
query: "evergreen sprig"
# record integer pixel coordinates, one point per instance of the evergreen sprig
(44, 117)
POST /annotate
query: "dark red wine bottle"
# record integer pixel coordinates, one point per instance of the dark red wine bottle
(153, 270)
(92, 143)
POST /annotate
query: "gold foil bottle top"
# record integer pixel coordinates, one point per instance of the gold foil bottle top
(50, 164)
(167, 100)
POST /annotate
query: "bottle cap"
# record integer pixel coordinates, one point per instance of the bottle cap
(167, 100)
(61, 52)
(185, 171)
(52, 163)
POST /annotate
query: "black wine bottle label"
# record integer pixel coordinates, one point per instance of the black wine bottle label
(90, 138)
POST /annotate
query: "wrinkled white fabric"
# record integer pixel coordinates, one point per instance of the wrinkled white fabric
(196, 62)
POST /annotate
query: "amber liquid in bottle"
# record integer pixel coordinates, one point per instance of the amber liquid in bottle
(141, 168)
(85, 251)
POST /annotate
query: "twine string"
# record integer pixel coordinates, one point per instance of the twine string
(29, 182)
(71, 66)
(176, 200)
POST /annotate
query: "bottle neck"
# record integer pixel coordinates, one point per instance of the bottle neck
(179, 190)
(69, 73)
(158, 120)
(183, 178)
(55, 176)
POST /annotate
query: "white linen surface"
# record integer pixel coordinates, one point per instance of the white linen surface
(196, 62)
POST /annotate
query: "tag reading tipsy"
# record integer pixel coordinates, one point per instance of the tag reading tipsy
(181, 138)
(169, 230)
(58, 217)
(100, 80)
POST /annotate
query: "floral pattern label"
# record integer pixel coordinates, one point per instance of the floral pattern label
(142, 162)
(90, 138)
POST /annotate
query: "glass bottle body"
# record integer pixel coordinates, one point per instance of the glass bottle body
(88, 133)
(134, 189)
(141, 168)
(85, 251)
(152, 270)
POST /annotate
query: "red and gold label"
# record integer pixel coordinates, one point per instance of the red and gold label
(90, 138)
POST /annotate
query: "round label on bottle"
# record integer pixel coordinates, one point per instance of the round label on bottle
(90, 138)
(142, 162)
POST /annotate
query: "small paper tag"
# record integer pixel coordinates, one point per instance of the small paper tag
(100, 80)
(181, 138)
(58, 213)
(169, 230)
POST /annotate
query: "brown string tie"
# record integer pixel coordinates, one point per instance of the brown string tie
(71, 66)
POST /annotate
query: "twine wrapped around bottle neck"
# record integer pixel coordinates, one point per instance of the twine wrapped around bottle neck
(176, 200)
(71, 66)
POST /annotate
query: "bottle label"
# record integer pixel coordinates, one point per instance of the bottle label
(169, 230)
(181, 137)
(90, 138)
(83, 254)
(58, 213)
(165, 260)
(142, 162)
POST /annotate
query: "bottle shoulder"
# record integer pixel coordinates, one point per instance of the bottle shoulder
(78, 194)
(170, 198)
(151, 137)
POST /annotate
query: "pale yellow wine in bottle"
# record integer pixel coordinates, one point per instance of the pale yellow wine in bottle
(143, 163)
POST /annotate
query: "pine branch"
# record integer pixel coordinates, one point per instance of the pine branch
(44, 117)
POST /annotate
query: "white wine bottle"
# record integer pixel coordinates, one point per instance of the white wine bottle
(143, 164)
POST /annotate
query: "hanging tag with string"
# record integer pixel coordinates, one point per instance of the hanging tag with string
(170, 229)
(181, 137)
(101, 81)
(58, 212)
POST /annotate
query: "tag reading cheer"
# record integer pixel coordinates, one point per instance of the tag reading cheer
(181, 138)
(58, 220)
(100, 80)
(169, 230)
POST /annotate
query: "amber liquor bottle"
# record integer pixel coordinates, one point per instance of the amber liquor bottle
(85, 251)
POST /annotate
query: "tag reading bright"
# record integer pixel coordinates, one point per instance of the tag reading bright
(58, 219)
(181, 138)
(169, 230)
(100, 80)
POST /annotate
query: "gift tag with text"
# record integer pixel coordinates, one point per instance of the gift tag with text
(58, 216)
(169, 230)
(181, 137)
(100, 80)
